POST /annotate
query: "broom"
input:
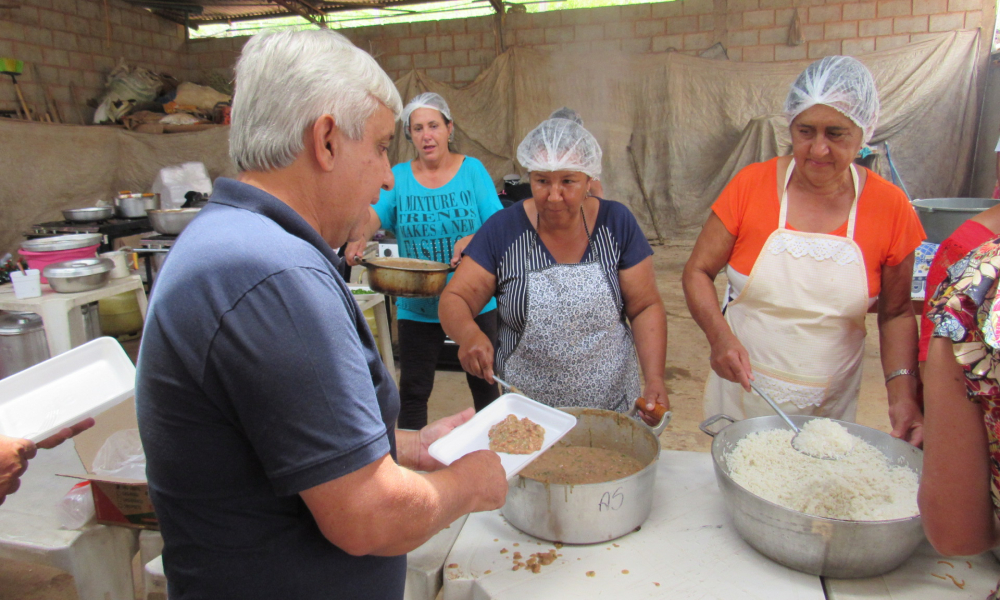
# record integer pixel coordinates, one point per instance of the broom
(13, 67)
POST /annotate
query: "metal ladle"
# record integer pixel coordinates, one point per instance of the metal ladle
(797, 431)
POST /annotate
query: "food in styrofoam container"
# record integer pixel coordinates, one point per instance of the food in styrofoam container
(859, 486)
(516, 436)
(824, 438)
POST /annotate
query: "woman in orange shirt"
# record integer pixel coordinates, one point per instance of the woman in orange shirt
(810, 242)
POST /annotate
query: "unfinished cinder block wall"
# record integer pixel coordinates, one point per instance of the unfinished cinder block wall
(76, 43)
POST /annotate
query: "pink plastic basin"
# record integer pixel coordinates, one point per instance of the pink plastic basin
(40, 260)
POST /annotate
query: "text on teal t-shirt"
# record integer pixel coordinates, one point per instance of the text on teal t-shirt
(427, 222)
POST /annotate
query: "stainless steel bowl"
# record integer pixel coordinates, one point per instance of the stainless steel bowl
(171, 221)
(590, 512)
(88, 214)
(135, 206)
(81, 275)
(942, 216)
(62, 242)
(817, 545)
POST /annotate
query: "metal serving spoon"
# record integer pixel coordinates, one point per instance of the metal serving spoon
(797, 431)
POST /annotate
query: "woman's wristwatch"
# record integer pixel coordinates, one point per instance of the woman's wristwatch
(899, 372)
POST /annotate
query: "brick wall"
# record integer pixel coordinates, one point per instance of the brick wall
(751, 30)
(70, 42)
(68, 38)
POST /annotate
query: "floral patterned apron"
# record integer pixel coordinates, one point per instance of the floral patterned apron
(801, 317)
(576, 349)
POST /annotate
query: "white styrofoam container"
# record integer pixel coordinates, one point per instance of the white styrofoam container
(64, 390)
(474, 434)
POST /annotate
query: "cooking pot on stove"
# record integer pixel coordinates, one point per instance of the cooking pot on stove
(589, 513)
(134, 206)
(817, 545)
(88, 214)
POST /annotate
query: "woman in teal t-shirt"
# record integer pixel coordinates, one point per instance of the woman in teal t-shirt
(438, 202)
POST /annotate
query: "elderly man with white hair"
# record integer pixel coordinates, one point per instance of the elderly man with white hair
(265, 411)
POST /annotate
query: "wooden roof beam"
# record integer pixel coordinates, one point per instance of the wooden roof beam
(305, 11)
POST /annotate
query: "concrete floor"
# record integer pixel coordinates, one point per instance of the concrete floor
(687, 368)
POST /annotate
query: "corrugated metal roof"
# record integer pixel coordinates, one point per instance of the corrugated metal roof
(221, 11)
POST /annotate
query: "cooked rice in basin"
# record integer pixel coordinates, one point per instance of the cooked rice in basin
(859, 486)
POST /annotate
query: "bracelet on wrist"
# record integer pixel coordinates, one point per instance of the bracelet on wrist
(898, 372)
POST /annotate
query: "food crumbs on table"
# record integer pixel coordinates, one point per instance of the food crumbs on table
(536, 568)
(578, 558)
(656, 583)
(516, 544)
(944, 562)
(547, 558)
(940, 576)
(624, 571)
(968, 563)
(453, 566)
(504, 551)
(496, 539)
(487, 572)
(516, 566)
(591, 573)
(517, 556)
(616, 545)
(558, 545)
(959, 584)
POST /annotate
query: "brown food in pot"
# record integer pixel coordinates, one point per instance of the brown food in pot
(516, 436)
(572, 465)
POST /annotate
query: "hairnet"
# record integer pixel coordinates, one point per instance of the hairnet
(842, 83)
(567, 113)
(560, 145)
(425, 100)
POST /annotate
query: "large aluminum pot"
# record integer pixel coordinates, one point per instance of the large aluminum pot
(22, 342)
(406, 277)
(942, 216)
(171, 221)
(816, 545)
(80, 275)
(592, 512)
(135, 206)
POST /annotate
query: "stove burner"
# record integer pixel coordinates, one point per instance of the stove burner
(111, 229)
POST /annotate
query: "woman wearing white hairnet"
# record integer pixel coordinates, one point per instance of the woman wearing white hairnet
(809, 242)
(569, 273)
(438, 202)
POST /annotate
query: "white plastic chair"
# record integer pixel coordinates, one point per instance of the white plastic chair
(98, 557)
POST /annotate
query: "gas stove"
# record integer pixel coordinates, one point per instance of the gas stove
(111, 229)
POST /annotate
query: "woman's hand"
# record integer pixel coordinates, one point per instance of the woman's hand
(354, 251)
(456, 255)
(654, 393)
(731, 361)
(476, 356)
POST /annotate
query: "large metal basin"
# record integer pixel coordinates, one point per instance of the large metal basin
(817, 545)
(407, 277)
(942, 216)
(592, 512)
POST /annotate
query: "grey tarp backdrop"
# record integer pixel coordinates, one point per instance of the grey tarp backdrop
(674, 129)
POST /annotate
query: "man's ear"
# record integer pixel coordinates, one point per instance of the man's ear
(324, 141)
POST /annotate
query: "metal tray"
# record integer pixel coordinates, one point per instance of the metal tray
(59, 392)
(62, 242)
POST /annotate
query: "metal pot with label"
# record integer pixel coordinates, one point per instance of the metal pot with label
(591, 512)
(22, 342)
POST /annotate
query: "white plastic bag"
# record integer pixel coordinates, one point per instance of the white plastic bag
(121, 456)
(76, 509)
(173, 182)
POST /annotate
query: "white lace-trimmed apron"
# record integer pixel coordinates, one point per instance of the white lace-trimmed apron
(801, 317)
(576, 349)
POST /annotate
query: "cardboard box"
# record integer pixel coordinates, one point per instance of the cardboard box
(117, 500)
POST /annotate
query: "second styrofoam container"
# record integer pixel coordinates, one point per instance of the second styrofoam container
(62, 391)
(474, 434)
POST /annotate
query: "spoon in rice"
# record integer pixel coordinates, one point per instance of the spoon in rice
(798, 432)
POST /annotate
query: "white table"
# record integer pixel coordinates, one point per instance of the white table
(97, 556)
(920, 578)
(61, 315)
(384, 338)
(688, 547)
